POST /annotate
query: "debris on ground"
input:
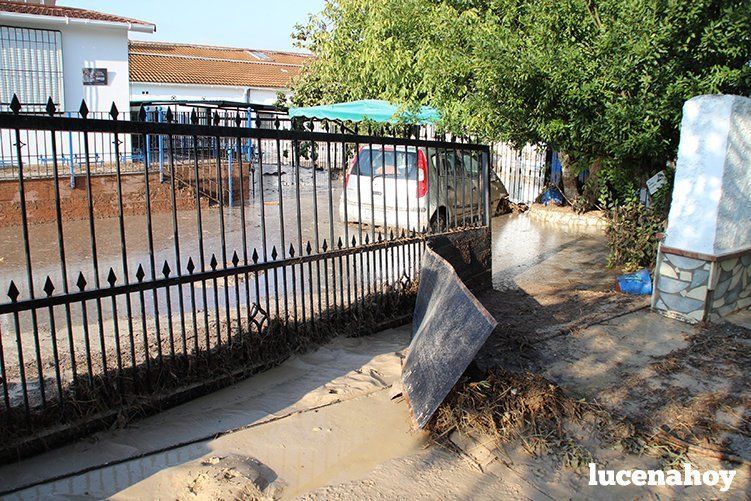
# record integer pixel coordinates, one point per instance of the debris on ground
(552, 196)
(449, 327)
(518, 208)
(506, 406)
(226, 477)
(637, 283)
(505, 409)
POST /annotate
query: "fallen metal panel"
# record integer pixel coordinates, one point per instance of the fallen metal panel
(448, 328)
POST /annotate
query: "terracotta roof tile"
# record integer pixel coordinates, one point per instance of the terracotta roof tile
(205, 65)
(71, 12)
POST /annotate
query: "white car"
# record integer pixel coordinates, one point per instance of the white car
(414, 188)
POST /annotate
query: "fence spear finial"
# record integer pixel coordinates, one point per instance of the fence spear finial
(13, 291)
(140, 273)
(15, 104)
(50, 108)
(81, 282)
(111, 278)
(48, 287)
(83, 110)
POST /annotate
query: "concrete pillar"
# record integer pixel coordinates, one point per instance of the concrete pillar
(704, 265)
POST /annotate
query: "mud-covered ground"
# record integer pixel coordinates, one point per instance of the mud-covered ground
(655, 392)
(686, 387)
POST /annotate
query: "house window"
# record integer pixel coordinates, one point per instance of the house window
(31, 66)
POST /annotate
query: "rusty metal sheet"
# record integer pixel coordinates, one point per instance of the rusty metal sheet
(448, 328)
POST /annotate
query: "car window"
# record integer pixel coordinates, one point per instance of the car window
(450, 160)
(401, 163)
(471, 163)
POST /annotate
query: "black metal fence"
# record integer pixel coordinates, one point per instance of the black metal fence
(137, 151)
(116, 305)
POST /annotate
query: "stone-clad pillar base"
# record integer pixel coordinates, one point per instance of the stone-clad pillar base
(696, 287)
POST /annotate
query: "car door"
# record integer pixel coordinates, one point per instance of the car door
(359, 187)
(473, 186)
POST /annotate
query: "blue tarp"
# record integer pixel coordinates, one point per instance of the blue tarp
(372, 109)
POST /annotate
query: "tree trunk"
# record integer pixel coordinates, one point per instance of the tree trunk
(570, 190)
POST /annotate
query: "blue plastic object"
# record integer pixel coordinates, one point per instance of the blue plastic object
(637, 283)
(551, 196)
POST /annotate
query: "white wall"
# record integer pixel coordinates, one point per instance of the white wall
(81, 47)
(91, 47)
(202, 92)
(711, 207)
(96, 48)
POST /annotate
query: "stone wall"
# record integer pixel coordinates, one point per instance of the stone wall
(566, 217)
(697, 288)
(732, 290)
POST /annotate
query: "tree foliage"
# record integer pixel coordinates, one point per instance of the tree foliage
(597, 79)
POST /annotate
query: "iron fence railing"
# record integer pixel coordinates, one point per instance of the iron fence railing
(158, 281)
(134, 152)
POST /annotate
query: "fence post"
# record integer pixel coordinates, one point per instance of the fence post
(147, 148)
(70, 152)
(229, 177)
(486, 188)
(249, 158)
(160, 118)
(248, 148)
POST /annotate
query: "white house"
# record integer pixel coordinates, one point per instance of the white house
(72, 54)
(184, 72)
(67, 53)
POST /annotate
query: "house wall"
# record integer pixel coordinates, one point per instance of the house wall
(91, 47)
(81, 47)
(96, 48)
(203, 92)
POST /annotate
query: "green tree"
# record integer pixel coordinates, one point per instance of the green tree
(601, 81)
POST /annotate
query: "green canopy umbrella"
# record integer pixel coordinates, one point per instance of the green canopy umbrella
(371, 109)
